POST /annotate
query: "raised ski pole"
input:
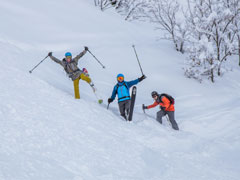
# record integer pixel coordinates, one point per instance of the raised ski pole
(137, 58)
(96, 58)
(38, 64)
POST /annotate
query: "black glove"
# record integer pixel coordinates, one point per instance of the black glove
(110, 100)
(141, 78)
(85, 48)
(50, 54)
(144, 107)
(162, 108)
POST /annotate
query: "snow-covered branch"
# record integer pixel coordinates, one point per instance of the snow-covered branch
(211, 36)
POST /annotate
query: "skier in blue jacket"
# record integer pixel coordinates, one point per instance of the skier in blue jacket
(122, 90)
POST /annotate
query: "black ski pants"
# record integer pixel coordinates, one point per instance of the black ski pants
(170, 114)
(124, 107)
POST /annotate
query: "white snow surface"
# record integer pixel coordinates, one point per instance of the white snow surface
(48, 135)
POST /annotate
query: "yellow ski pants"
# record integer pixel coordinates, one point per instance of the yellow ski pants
(76, 84)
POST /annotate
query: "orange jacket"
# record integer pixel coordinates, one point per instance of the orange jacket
(165, 103)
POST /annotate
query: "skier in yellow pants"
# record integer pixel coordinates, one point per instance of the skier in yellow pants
(71, 67)
(76, 84)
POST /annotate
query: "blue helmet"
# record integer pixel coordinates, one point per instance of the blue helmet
(68, 54)
(120, 75)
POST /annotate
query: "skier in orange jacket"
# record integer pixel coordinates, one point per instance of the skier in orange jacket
(166, 103)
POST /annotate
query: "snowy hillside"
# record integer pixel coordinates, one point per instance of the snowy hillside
(47, 134)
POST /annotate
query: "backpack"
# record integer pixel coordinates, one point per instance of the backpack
(85, 71)
(170, 98)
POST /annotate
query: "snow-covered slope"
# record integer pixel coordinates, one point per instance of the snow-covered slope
(47, 134)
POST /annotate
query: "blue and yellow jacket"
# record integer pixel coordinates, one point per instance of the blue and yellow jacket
(122, 90)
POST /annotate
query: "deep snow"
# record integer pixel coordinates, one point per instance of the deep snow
(47, 134)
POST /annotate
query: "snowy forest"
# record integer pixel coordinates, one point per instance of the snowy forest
(207, 31)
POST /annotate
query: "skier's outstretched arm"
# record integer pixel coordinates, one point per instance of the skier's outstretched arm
(76, 59)
(54, 58)
(131, 83)
(152, 106)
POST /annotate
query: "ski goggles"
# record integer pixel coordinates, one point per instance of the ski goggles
(120, 78)
(67, 57)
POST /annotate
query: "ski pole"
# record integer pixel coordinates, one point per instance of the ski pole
(38, 64)
(143, 108)
(137, 59)
(168, 120)
(96, 58)
(108, 105)
(99, 100)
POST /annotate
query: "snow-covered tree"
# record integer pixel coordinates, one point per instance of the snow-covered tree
(211, 39)
(131, 9)
(166, 16)
(105, 4)
(234, 6)
(163, 13)
(209, 31)
(201, 59)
